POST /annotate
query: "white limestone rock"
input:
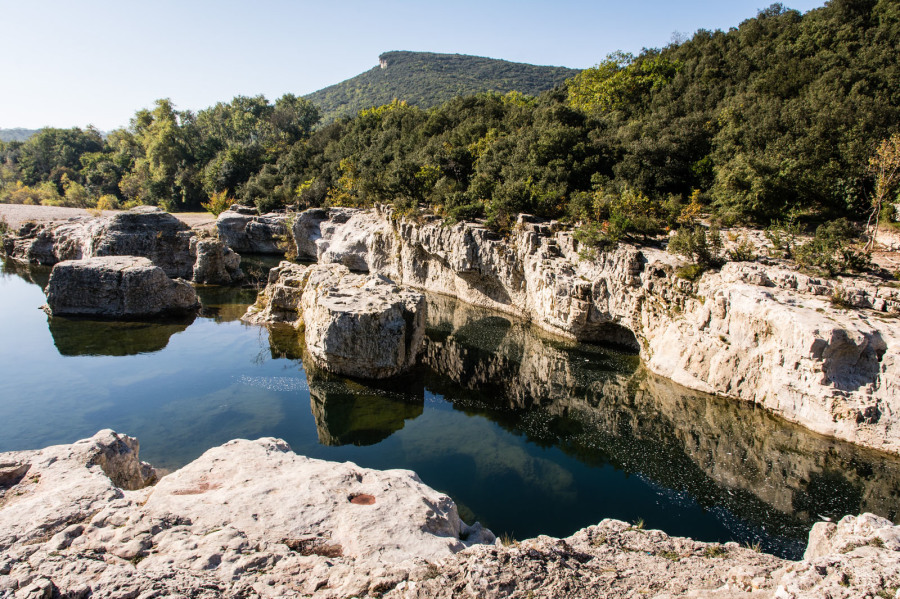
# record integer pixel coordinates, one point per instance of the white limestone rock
(363, 326)
(117, 287)
(357, 325)
(247, 518)
(245, 231)
(755, 332)
(857, 557)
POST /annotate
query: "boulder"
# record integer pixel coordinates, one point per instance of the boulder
(364, 326)
(253, 233)
(280, 300)
(356, 325)
(117, 287)
(215, 263)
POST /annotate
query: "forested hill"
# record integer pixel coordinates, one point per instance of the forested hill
(17, 134)
(426, 79)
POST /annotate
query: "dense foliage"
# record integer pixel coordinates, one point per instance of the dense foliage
(425, 79)
(775, 119)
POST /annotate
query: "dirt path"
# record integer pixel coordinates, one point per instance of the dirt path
(17, 214)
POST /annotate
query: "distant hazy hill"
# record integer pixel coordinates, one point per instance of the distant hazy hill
(18, 134)
(426, 79)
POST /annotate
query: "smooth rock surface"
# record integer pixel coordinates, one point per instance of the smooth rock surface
(144, 231)
(761, 333)
(249, 518)
(252, 519)
(357, 325)
(117, 287)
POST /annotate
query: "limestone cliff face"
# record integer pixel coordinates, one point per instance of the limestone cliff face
(759, 333)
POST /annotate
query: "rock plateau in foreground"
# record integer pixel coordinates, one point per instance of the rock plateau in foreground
(253, 519)
(117, 287)
(356, 325)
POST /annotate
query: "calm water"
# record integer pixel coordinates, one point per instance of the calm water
(529, 434)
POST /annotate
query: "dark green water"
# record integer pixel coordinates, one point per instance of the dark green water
(529, 434)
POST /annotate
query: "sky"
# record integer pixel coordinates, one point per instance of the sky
(95, 62)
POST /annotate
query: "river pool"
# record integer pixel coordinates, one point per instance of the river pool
(528, 433)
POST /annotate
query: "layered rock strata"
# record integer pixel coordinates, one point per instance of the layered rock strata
(245, 231)
(357, 325)
(751, 331)
(251, 518)
(117, 287)
(144, 231)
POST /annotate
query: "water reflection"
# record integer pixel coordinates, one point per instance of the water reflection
(352, 413)
(90, 337)
(529, 433)
(768, 479)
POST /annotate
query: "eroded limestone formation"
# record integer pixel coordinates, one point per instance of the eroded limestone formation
(117, 287)
(357, 325)
(760, 333)
(144, 231)
(245, 518)
(246, 231)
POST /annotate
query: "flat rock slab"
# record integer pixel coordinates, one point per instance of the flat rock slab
(117, 287)
(248, 518)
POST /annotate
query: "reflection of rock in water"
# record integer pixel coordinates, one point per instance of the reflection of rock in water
(354, 413)
(88, 337)
(285, 342)
(598, 406)
(32, 273)
(224, 304)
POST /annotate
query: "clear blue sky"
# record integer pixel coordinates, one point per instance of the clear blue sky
(71, 63)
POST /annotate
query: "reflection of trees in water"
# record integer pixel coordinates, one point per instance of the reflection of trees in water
(602, 408)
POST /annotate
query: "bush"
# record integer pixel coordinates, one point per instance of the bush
(743, 252)
(783, 234)
(833, 250)
(594, 238)
(108, 202)
(4, 227)
(218, 203)
(701, 249)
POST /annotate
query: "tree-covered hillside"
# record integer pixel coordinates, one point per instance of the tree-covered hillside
(425, 79)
